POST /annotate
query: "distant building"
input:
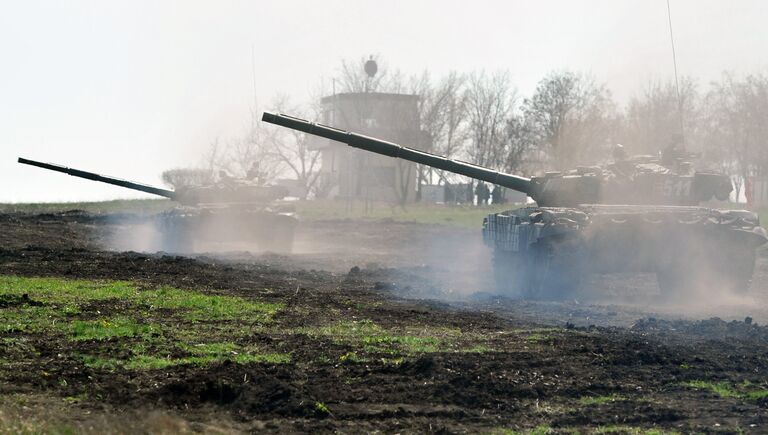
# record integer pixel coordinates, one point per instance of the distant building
(355, 174)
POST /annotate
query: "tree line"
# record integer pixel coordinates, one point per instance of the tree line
(570, 119)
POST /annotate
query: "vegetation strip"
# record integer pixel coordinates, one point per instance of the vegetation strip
(725, 389)
(155, 328)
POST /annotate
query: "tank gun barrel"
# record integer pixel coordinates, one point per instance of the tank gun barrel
(102, 178)
(514, 182)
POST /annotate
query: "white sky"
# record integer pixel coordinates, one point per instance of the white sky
(136, 87)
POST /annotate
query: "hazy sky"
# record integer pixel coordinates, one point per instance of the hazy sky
(136, 87)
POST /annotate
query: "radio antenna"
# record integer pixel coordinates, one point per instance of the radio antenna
(677, 81)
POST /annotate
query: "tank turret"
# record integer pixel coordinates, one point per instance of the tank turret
(226, 191)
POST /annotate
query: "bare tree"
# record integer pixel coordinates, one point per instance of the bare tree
(214, 157)
(656, 117)
(292, 148)
(254, 150)
(519, 144)
(442, 114)
(490, 100)
(238, 156)
(736, 125)
(571, 115)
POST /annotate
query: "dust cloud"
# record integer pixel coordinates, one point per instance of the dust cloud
(134, 236)
(453, 265)
(198, 231)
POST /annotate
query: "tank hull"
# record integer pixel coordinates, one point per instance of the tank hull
(544, 252)
(196, 230)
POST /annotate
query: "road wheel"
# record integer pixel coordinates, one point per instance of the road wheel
(555, 270)
(274, 233)
(735, 269)
(722, 269)
(176, 235)
(510, 271)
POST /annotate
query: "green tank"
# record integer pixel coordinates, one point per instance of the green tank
(236, 213)
(636, 214)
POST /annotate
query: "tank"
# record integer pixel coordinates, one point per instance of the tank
(634, 215)
(241, 214)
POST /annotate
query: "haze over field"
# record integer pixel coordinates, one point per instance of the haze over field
(134, 88)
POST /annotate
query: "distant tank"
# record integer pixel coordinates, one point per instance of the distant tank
(636, 214)
(241, 212)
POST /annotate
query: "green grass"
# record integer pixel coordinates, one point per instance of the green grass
(369, 340)
(463, 216)
(27, 319)
(725, 389)
(722, 389)
(756, 395)
(599, 400)
(536, 337)
(103, 329)
(541, 429)
(202, 354)
(198, 306)
(369, 337)
(151, 339)
(322, 408)
(67, 296)
(145, 362)
(620, 429)
(480, 348)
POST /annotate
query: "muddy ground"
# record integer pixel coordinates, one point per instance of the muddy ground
(614, 358)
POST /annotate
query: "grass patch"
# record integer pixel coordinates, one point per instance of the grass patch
(103, 329)
(369, 337)
(145, 362)
(537, 337)
(463, 216)
(207, 353)
(724, 389)
(480, 348)
(200, 306)
(27, 319)
(630, 430)
(64, 295)
(599, 400)
(541, 429)
(200, 355)
(155, 340)
(756, 395)
(67, 296)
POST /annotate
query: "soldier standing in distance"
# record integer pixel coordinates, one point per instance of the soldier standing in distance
(497, 195)
(482, 193)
